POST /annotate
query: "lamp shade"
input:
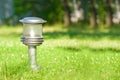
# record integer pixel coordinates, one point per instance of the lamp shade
(32, 26)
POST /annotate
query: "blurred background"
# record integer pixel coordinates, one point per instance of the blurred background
(91, 12)
(82, 40)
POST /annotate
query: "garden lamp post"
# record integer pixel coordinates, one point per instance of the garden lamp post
(32, 37)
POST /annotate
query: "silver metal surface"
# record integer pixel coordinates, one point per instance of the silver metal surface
(32, 41)
(32, 57)
(32, 20)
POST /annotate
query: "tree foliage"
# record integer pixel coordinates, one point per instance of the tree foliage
(93, 11)
(50, 10)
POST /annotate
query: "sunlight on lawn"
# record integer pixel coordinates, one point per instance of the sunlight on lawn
(61, 56)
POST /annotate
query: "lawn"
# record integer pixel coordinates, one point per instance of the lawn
(68, 53)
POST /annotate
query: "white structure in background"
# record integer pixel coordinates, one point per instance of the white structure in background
(6, 9)
(77, 13)
(116, 16)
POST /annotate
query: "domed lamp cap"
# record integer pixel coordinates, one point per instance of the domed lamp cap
(32, 20)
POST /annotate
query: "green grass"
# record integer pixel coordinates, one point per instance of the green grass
(66, 54)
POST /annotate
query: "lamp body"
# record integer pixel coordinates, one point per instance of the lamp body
(32, 34)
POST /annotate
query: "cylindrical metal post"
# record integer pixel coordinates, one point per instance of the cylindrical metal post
(32, 57)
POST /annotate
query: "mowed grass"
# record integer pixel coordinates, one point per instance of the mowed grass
(66, 54)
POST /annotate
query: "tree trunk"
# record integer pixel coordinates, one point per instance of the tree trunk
(109, 21)
(33, 7)
(93, 13)
(67, 12)
(34, 11)
(84, 4)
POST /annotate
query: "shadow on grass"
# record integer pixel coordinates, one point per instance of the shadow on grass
(102, 50)
(81, 35)
(79, 31)
(73, 35)
(85, 32)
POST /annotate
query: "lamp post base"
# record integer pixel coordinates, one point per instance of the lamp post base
(35, 67)
(32, 57)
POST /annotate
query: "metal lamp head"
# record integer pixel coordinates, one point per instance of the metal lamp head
(32, 20)
(32, 30)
